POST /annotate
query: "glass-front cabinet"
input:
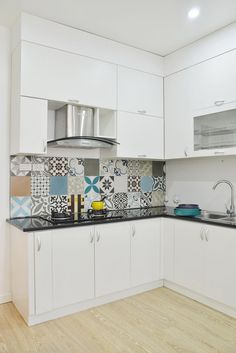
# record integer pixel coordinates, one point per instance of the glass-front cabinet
(215, 131)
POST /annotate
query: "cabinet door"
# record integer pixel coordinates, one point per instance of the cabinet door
(179, 96)
(29, 126)
(61, 76)
(112, 258)
(140, 92)
(145, 251)
(220, 268)
(189, 256)
(73, 265)
(43, 272)
(139, 136)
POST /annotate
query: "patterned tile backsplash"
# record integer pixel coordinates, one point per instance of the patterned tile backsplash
(42, 184)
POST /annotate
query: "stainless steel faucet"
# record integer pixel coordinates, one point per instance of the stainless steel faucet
(231, 209)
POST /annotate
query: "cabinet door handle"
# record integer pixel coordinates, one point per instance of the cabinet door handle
(75, 101)
(39, 244)
(142, 111)
(44, 146)
(206, 234)
(141, 155)
(133, 231)
(186, 152)
(201, 234)
(91, 236)
(219, 103)
(219, 153)
(98, 236)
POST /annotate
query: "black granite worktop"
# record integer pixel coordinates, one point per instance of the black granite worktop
(31, 224)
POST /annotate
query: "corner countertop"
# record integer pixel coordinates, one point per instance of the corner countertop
(36, 223)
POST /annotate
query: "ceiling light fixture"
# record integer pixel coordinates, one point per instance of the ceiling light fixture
(193, 13)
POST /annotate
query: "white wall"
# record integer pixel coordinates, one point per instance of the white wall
(4, 162)
(191, 180)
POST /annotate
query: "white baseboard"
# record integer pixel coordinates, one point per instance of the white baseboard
(201, 298)
(5, 298)
(71, 309)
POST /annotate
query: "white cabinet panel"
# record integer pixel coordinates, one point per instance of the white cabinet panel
(139, 136)
(61, 76)
(145, 251)
(140, 92)
(189, 256)
(220, 268)
(112, 258)
(73, 265)
(29, 126)
(43, 272)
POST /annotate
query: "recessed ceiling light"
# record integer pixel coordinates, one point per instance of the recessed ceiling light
(193, 13)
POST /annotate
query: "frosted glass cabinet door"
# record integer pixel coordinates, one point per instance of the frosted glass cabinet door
(140, 92)
(140, 136)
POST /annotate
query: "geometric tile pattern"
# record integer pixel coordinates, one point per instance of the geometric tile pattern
(58, 203)
(40, 205)
(40, 185)
(133, 183)
(21, 166)
(75, 167)
(58, 166)
(107, 184)
(146, 199)
(20, 206)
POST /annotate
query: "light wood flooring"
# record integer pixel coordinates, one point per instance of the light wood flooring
(158, 321)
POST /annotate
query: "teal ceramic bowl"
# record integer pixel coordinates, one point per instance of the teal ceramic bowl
(193, 212)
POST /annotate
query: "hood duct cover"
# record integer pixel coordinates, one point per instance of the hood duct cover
(74, 127)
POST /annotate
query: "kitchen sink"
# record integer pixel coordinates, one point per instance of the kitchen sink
(229, 219)
(213, 215)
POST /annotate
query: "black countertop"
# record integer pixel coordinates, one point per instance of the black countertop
(36, 223)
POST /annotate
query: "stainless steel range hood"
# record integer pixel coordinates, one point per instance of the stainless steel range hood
(74, 127)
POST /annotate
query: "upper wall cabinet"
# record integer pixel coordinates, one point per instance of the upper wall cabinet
(205, 90)
(140, 92)
(62, 76)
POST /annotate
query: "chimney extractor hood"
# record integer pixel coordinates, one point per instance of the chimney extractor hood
(74, 127)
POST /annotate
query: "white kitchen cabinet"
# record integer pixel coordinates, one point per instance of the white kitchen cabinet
(145, 251)
(61, 76)
(206, 88)
(220, 266)
(73, 265)
(112, 258)
(29, 126)
(139, 136)
(140, 92)
(188, 264)
(43, 272)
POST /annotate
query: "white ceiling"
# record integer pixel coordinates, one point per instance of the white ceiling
(159, 26)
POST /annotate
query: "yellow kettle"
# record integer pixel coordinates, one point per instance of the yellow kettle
(98, 205)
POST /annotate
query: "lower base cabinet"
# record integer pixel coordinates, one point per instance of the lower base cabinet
(204, 260)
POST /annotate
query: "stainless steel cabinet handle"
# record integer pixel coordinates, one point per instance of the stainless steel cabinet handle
(76, 101)
(44, 146)
(219, 153)
(219, 103)
(91, 236)
(142, 156)
(201, 234)
(98, 236)
(39, 244)
(142, 111)
(206, 234)
(133, 231)
(186, 152)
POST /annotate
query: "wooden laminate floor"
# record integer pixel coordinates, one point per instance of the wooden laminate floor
(159, 321)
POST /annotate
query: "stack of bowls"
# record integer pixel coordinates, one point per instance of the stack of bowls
(187, 210)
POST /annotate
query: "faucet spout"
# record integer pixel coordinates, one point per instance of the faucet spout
(231, 210)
